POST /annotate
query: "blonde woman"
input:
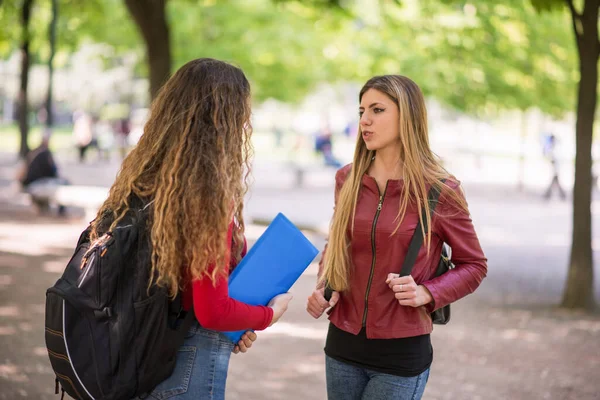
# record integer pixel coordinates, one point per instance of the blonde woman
(378, 344)
(188, 170)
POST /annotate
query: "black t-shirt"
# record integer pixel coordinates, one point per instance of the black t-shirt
(40, 165)
(407, 357)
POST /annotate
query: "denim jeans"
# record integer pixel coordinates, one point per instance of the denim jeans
(349, 382)
(201, 368)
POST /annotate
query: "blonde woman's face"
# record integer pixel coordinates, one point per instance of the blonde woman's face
(379, 120)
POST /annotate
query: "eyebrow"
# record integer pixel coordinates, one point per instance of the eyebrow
(372, 105)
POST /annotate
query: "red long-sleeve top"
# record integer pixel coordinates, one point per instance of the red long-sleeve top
(217, 311)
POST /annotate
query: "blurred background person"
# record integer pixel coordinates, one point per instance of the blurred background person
(39, 177)
(324, 146)
(122, 130)
(83, 133)
(550, 154)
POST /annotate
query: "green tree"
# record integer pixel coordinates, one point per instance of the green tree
(273, 41)
(34, 28)
(538, 74)
(502, 55)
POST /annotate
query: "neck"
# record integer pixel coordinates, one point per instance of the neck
(388, 163)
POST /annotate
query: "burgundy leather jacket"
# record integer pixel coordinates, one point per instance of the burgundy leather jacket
(375, 253)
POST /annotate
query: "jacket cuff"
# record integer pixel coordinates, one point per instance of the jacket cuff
(433, 305)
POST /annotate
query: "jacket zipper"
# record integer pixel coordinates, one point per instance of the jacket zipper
(379, 205)
(101, 252)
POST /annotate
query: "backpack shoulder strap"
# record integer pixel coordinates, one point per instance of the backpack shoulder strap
(417, 239)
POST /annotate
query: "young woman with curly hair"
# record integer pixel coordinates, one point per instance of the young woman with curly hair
(190, 167)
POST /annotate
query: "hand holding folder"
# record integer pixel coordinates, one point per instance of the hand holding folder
(271, 267)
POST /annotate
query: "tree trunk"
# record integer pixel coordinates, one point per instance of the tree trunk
(150, 17)
(25, 62)
(579, 291)
(52, 41)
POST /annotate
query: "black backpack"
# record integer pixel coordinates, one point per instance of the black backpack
(109, 335)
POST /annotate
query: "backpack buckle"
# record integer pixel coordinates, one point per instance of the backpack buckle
(106, 312)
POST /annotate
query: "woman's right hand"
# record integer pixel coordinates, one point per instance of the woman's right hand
(317, 304)
(279, 304)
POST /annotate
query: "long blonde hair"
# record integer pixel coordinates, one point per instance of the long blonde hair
(192, 161)
(422, 168)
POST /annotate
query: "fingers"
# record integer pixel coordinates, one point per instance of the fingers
(316, 314)
(410, 287)
(405, 281)
(287, 297)
(317, 304)
(410, 302)
(242, 346)
(335, 297)
(284, 299)
(245, 342)
(391, 276)
(320, 299)
(313, 308)
(405, 289)
(405, 295)
(251, 335)
(281, 300)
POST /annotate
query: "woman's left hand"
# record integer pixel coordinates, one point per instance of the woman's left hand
(407, 292)
(245, 342)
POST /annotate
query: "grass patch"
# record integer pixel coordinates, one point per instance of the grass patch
(10, 138)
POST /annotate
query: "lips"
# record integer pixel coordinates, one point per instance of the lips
(367, 134)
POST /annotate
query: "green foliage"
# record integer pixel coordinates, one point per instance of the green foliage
(280, 48)
(79, 21)
(548, 5)
(10, 34)
(477, 57)
(481, 58)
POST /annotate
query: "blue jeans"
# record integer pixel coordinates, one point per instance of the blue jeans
(348, 382)
(201, 368)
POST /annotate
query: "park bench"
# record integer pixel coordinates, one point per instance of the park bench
(88, 198)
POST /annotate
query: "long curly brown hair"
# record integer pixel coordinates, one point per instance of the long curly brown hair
(192, 162)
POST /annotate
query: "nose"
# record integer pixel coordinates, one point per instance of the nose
(365, 120)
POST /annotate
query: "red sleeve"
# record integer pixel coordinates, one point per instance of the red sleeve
(245, 248)
(215, 310)
(455, 227)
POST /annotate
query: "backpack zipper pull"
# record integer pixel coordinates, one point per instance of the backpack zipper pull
(62, 396)
(56, 389)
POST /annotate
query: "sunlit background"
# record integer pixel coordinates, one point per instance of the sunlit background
(499, 79)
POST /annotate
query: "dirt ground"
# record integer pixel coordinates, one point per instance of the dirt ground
(488, 351)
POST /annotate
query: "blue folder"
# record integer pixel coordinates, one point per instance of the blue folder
(271, 267)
